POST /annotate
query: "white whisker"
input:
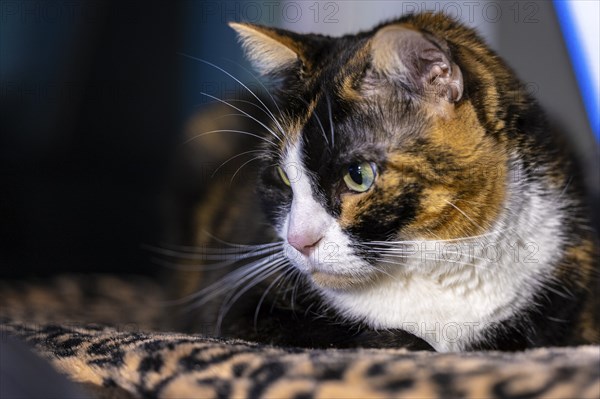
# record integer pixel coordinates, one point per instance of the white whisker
(232, 158)
(441, 263)
(230, 300)
(314, 114)
(193, 250)
(228, 131)
(261, 84)
(229, 283)
(243, 112)
(217, 287)
(242, 84)
(330, 119)
(232, 244)
(475, 237)
(225, 259)
(264, 295)
(240, 168)
(464, 214)
(295, 287)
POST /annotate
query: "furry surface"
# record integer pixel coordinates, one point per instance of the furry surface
(107, 333)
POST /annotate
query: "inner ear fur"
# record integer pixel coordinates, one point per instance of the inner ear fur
(420, 61)
(270, 50)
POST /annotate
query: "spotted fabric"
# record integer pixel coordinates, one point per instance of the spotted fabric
(130, 357)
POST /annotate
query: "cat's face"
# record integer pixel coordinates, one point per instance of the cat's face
(376, 143)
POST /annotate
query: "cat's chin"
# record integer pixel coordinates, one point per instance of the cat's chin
(337, 281)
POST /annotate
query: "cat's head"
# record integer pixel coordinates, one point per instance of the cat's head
(387, 135)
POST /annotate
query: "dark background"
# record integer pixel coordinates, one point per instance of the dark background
(94, 96)
(90, 118)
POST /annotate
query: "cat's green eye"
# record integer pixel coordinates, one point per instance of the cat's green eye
(360, 176)
(283, 176)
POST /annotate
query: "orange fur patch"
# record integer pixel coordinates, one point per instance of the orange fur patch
(473, 190)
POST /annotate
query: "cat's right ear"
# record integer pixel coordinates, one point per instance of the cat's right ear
(271, 51)
(421, 61)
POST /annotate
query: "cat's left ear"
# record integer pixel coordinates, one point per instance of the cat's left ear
(272, 51)
(420, 61)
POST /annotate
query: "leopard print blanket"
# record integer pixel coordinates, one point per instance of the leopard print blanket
(105, 333)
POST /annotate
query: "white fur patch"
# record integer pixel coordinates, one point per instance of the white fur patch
(333, 254)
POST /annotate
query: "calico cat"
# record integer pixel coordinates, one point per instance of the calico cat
(412, 195)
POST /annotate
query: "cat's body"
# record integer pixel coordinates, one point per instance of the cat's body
(415, 186)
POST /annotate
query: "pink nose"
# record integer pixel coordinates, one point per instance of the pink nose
(304, 243)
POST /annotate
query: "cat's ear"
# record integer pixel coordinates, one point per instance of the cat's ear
(418, 60)
(271, 51)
